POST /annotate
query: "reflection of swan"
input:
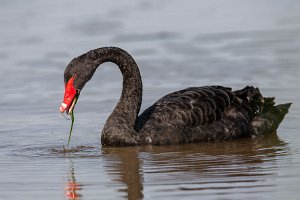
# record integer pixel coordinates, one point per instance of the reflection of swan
(126, 165)
(221, 166)
(187, 116)
(236, 157)
(72, 186)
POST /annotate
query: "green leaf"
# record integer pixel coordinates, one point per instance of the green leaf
(70, 134)
(72, 117)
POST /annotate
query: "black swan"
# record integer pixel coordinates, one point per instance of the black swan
(195, 114)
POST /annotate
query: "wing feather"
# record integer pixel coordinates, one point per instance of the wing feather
(190, 107)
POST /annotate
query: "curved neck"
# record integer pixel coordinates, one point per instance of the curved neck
(119, 127)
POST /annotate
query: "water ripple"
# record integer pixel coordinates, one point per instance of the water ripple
(82, 151)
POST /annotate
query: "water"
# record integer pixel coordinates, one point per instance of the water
(176, 44)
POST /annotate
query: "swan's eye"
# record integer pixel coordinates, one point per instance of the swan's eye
(68, 79)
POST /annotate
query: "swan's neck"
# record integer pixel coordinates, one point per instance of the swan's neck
(119, 127)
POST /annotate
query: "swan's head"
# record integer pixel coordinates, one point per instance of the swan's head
(78, 72)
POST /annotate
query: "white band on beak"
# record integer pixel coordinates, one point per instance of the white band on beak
(63, 107)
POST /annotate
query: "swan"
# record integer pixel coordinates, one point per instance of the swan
(191, 115)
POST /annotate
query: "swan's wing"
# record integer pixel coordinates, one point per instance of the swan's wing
(188, 108)
(209, 113)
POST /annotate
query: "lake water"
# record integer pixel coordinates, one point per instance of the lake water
(177, 44)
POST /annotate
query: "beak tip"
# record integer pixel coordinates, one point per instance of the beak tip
(63, 107)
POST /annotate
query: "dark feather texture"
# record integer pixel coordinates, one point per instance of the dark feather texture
(199, 114)
(195, 114)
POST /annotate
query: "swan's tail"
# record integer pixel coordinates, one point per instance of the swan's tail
(268, 116)
(271, 115)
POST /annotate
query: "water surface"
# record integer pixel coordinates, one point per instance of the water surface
(176, 44)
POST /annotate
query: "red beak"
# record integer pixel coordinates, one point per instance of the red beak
(70, 93)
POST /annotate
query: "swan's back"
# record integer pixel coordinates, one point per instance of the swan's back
(200, 114)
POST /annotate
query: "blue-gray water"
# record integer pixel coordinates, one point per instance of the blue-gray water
(176, 44)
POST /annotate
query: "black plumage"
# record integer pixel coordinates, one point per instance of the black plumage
(195, 114)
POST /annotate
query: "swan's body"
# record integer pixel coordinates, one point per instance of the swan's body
(187, 116)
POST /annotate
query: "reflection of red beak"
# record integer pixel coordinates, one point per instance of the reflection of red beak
(72, 190)
(70, 93)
